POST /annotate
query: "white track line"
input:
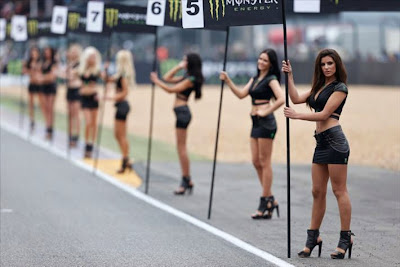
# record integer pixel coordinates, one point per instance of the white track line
(158, 204)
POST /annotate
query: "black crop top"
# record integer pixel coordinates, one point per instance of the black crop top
(261, 90)
(119, 84)
(319, 104)
(184, 95)
(47, 69)
(91, 79)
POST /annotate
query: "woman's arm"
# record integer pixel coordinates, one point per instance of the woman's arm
(293, 92)
(169, 77)
(333, 103)
(239, 93)
(176, 88)
(52, 75)
(279, 99)
(122, 94)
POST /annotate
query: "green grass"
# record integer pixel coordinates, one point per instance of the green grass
(161, 151)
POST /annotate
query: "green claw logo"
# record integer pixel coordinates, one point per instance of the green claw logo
(336, 2)
(175, 10)
(217, 8)
(111, 17)
(73, 20)
(33, 27)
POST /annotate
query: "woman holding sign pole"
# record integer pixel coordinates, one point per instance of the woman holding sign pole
(327, 97)
(123, 79)
(49, 88)
(262, 88)
(192, 81)
(89, 71)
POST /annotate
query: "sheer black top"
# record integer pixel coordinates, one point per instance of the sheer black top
(260, 90)
(318, 104)
(184, 95)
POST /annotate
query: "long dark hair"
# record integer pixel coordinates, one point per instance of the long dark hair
(273, 59)
(319, 77)
(53, 55)
(194, 65)
(30, 59)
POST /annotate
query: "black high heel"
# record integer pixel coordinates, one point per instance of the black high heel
(126, 164)
(266, 208)
(32, 127)
(49, 133)
(73, 141)
(186, 184)
(88, 151)
(312, 241)
(344, 243)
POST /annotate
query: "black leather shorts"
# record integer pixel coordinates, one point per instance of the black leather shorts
(332, 147)
(122, 110)
(89, 101)
(73, 94)
(49, 89)
(263, 127)
(34, 88)
(183, 116)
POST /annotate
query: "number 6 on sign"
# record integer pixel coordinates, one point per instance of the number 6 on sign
(95, 16)
(155, 12)
(192, 14)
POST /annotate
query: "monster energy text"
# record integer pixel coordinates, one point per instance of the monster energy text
(250, 2)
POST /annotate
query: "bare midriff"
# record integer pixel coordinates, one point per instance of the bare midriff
(326, 124)
(180, 102)
(35, 74)
(88, 89)
(261, 106)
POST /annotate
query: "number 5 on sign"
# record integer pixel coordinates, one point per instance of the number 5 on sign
(155, 12)
(192, 14)
(59, 20)
(95, 16)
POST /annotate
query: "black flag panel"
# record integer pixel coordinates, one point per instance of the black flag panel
(241, 12)
(119, 18)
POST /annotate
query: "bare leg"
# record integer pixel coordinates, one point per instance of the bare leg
(181, 135)
(338, 173)
(75, 123)
(93, 115)
(32, 107)
(51, 100)
(120, 135)
(88, 123)
(265, 152)
(320, 177)
(255, 158)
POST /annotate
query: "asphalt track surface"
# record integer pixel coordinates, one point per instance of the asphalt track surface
(62, 215)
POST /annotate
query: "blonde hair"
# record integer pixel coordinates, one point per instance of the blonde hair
(83, 67)
(125, 66)
(77, 48)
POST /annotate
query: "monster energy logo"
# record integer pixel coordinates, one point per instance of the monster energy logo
(33, 27)
(8, 29)
(73, 21)
(111, 17)
(175, 10)
(336, 2)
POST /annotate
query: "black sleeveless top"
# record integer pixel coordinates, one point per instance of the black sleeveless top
(184, 95)
(119, 84)
(47, 69)
(91, 79)
(261, 90)
(319, 104)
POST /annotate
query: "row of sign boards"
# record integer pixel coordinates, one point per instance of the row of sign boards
(107, 18)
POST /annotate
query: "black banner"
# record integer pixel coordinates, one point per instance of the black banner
(39, 28)
(335, 6)
(119, 18)
(242, 12)
(76, 22)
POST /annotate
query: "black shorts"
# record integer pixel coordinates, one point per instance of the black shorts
(73, 94)
(49, 89)
(183, 117)
(34, 88)
(263, 127)
(332, 147)
(89, 101)
(122, 110)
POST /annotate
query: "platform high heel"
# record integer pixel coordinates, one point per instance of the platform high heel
(126, 164)
(345, 243)
(312, 241)
(186, 184)
(266, 208)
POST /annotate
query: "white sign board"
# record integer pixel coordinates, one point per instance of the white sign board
(19, 30)
(192, 14)
(3, 29)
(59, 20)
(155, 12)
(307, 6)
(95, 16)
